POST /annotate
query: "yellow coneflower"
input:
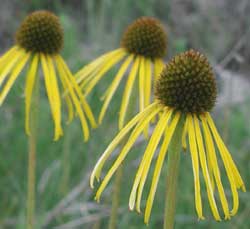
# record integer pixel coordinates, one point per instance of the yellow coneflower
(143, 47)
(186, 89)
(40, 40)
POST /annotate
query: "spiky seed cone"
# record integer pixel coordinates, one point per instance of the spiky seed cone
(41, 31)
(187, 83)
(145, 36)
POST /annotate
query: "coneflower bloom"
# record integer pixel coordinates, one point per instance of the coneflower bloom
(185, 89)
(143, 47)
(39, 40)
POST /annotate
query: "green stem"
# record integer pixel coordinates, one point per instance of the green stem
(172, 175)
(116, 198)
(32, 157)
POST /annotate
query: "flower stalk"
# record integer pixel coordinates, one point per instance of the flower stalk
(32, 144)
(172, 175)
(116, 198)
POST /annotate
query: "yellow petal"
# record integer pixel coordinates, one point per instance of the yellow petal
(105, 68)
(98, 167)
(127, 92)
(114, 85)
(87, 70)
(133, 137)
(9, 65)
(162, 154)
(63, 73)
(30, 81)
(195, 164)
(204, 169)
(184, 136)
(141, 82)
(7, 57)
(56, 98)
(158, 67)
(13, 76)
(138, 175)
(85, 105)
(149, 152)
(229, 169)
(237, 176)
(215, 167)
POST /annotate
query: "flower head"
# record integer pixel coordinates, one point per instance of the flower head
(41, 31)
(39, 40)
(143, 47)
(147, 37)
(189, 76)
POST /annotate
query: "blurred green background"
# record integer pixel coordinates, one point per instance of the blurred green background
(219, 29)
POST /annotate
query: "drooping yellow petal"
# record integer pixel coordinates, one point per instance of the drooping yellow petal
(204, 169)
(162, 154)
(49, 89)
(11, 63)
(139, 172)
(215, 167)
(229, 169)
(158, 67)
(93, 66)
(30, 81)
(141, 83)
(195, 164)
(147, 87)
(184, 136)
(98, 167)
(56, 98)
(63, 75)
(148, 79)
(85, 105)
(149, 152)
(7, 57)
(13, 76)
(114, 85)
(125, 151)
(105, 68)
(127, 92)
(68, 101)
(237, 176)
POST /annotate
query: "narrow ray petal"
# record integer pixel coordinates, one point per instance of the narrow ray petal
(215, 167)
(150, 151)
(135, 134)
(105, 68)
(114, 85)
(30, 81)
(63, 75)
(195, 163)
(162, 154)
(145, 157)
(56, 98)
(237, 176)
(127, 92)
(84, 103)
(227, 166)
(8, 56)
(13, 76)
(12, 62)
(141, 82)
(98, 167)
(158, 67)
(49, 89)
(82, 74)
(184, 136)
(204, 168)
